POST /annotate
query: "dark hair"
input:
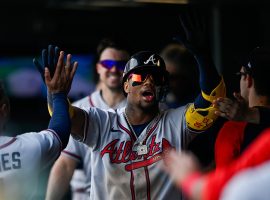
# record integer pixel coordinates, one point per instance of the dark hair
(110, 42)
(257, 66)
(4, 100)
(3, 96)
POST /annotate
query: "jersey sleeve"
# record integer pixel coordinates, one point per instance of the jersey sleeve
(48, 143)
(74, 150)
(176, 117)
(98, 122)
(255, 154)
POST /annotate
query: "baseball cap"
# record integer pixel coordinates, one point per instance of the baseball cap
(257, 63)
(144, 60)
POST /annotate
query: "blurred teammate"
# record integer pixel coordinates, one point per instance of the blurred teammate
(185, 170)
(235, 136)
(112, 57)
(181, 65)
(25, 156)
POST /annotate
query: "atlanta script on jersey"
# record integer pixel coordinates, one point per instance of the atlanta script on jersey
(122, 170)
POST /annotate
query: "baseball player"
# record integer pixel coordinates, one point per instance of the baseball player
(112, 57)
(128, 143)
(237, 133)
(24, 157)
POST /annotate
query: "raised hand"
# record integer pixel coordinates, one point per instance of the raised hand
(232, 109)
(49, 59)
(193, 32)
(62, 79)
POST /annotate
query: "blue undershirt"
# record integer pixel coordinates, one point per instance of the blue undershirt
(60, 121)
(139, 128)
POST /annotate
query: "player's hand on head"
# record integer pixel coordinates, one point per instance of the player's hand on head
(232, 109)
(63, 76)
(49, 59)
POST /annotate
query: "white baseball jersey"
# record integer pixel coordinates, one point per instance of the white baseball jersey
(127, 166)
(81, 180)
(96, 100)
(22, 160)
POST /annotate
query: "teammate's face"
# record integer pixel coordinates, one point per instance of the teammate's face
(110, 67)
(141, 90)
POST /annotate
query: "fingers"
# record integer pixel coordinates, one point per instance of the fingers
(59, 66)
(51, 58)
(68, 66)
(39, 68)
(45, 58)
(47, 76)
(221, 114)
(56, 54)
(57, 76)
(74, 69)
(225, 107)
(238, 97)
(223, 104)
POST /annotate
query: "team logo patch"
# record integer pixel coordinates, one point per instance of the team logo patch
(153, 60)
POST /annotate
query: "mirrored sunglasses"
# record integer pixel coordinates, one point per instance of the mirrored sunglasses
(139, 77)
(109, 64)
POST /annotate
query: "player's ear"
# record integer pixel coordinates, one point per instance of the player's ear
(98, 68)
(126, 87)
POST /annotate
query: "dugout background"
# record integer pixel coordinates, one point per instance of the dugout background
(28, 26)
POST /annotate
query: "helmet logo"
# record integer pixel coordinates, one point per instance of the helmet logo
(153, 60)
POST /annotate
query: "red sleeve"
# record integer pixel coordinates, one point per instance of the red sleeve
(256, 153)
(228, 142)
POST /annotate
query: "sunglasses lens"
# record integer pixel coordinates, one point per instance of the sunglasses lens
(109, 64)
(139, 78)
(120, 65)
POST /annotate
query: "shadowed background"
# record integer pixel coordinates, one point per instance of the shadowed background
(236, 27)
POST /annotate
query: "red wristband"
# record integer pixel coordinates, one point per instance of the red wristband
(188, 183)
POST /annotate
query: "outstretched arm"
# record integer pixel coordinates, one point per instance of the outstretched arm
(200, 115)
(60, 176)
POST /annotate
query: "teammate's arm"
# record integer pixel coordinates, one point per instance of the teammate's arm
(238, 110)
(60, 176)
(53, 65)
(200, 115)
(59, 86)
